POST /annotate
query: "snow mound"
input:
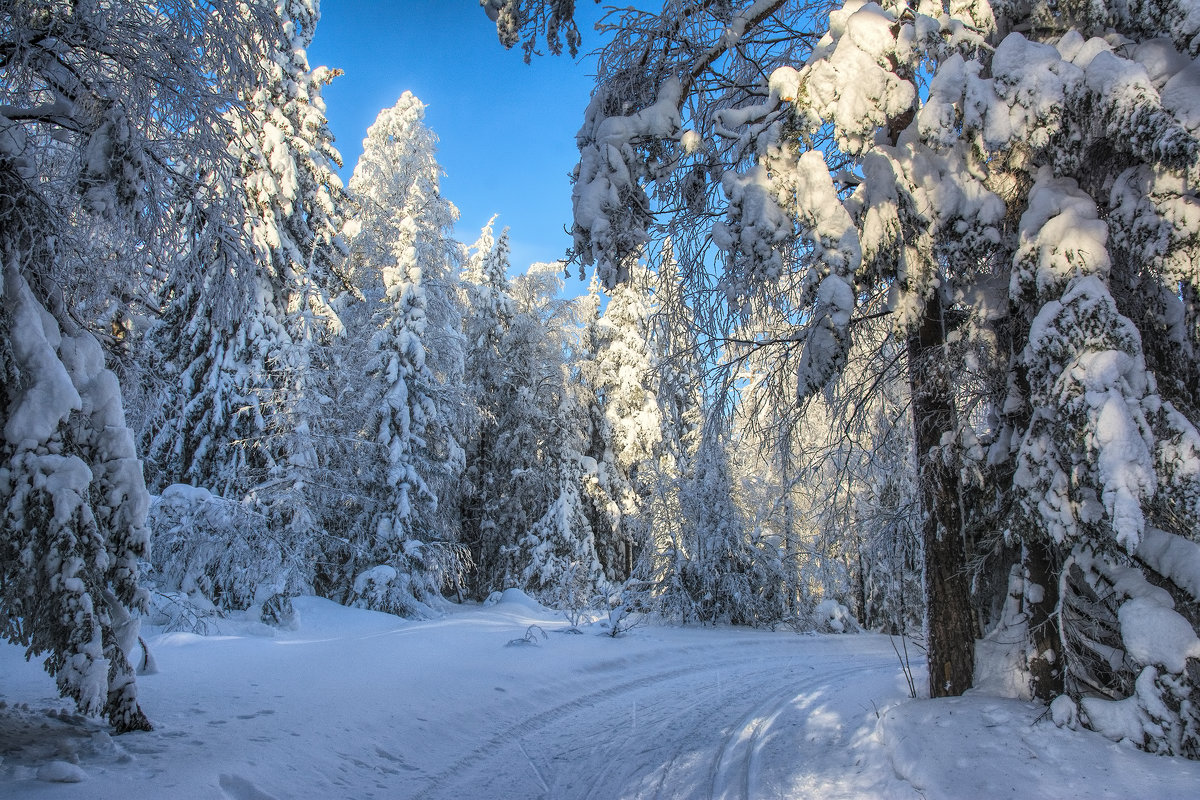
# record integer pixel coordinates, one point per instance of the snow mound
(1009, 748)
(61, 772)
(517, 598)
(831, 616)
(320, 616)
(1155, 634)
(52, 745)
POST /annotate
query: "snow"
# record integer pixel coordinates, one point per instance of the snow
(1001, 657)
(847, 82)
(1155, 634)
(1173, 556)
(1181, 95)
(991, 747)
(48, 395)
(185, 494)
(61, 772)
(356, 703)
(517, 600)
(691, 142)
(607, 178)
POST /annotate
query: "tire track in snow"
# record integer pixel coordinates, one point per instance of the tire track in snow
(659, 734)
(532, 724)
(669, 776)
(690, 754)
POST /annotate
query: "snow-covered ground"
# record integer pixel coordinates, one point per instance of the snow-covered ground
(357, 704)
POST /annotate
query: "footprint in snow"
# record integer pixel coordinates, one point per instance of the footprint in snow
(263, 713)
(236, 787)
(400, 762)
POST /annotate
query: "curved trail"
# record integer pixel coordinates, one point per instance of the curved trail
(362, 705)
(356, 704)
(749, 717)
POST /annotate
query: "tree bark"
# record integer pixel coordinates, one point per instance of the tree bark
(860, 582)
(951, 626)
(1045, 672)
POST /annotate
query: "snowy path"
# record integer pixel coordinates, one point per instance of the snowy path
(362, 705)
(683, 723)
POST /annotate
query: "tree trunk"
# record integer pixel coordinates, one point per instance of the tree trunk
(1040, 569)
(791, 555)
(951, 625)
(860, 582)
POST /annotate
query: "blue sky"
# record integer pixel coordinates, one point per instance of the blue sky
(507, 129)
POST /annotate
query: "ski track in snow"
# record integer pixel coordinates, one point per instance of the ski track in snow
(358, 705)
(664, 734)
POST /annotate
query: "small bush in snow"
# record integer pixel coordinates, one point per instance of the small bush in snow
(224, 550)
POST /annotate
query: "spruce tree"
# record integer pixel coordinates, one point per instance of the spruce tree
(246, 333)
(406, 550)
(523, 514)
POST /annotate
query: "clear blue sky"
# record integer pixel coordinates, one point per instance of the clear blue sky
(507, 129)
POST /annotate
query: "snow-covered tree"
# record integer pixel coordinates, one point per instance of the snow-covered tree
(397, 179)
(406, 550)
(1011, 179)
(681, 410)
(89, 145)
(1024, 177)
(561, 546)
(527, 20)
(832, 480)
(523, 511)
(626, 438)
(606, 490)
(244, 342)
(725, 574)
(488, 312)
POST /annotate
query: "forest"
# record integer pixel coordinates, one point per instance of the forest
(893, 326)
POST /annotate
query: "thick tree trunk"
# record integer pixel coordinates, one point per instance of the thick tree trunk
(1041, 611)
(951, 625)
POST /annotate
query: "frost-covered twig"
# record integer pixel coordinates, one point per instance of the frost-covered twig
(530, 637)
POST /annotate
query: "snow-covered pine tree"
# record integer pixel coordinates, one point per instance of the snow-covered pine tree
(488, 312)
(301, 227)
(88, 148)
(406, 550)
(399, 158)
(726, 576)
(242, 418)
(620, 375)
(523, 513)
(556, 556)
(606, 490)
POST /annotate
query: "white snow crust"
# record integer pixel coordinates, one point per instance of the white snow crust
(355, 703)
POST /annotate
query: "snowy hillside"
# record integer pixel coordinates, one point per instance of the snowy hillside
(359, 704)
